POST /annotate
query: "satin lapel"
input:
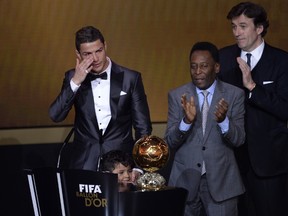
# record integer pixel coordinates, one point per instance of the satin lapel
(116, 82)
(88, 100)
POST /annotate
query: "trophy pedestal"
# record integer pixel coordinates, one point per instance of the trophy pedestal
(150, 182)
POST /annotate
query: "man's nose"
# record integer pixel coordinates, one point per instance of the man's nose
(237, 31)
(95, 57)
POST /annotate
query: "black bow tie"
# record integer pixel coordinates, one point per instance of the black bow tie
(101, 76)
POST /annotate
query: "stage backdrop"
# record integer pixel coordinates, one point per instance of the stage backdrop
(151, 36)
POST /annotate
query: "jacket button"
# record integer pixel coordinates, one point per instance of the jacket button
(203, 148)
(198, 164)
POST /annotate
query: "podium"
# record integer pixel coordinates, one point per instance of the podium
(168, 201)
(72, 192)
(81, 192)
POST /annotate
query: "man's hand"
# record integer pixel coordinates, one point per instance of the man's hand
(135, 175)
(246, 74)
(221, 110)
(82, 69)
(189, 108)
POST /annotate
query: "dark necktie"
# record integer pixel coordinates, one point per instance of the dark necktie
(101, 76)
(249, 59)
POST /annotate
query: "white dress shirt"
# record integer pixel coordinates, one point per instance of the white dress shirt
(255, 55)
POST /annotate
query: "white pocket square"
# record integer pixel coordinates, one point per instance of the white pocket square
(267, 82)
(122, 93)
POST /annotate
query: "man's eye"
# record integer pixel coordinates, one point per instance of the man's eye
(100, 50)
(193, 67)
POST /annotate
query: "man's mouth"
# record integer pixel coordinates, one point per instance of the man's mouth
(199, 79)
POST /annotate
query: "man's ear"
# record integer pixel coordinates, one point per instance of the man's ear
(78, 54)
(259, 29)
(217, 67)
(105, 46)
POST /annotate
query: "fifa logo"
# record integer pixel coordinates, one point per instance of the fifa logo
(85, 188)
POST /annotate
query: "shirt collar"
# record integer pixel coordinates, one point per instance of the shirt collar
(211, 89)
(256, 53)
(108, 69)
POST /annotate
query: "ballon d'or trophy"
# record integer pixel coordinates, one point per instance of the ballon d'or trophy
(151, 153)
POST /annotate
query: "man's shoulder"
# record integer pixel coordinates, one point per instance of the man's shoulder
(275, 50)
(183, 88)
(119, 68)
(69, 73)
(228, 49)
(229, 87)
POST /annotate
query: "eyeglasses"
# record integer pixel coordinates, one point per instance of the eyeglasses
(203, 66)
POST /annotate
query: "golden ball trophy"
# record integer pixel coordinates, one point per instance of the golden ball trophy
(151, 153)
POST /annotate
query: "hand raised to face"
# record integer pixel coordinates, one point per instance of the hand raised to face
(82, 68)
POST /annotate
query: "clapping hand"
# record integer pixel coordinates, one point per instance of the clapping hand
(189, 108)
(221, 110)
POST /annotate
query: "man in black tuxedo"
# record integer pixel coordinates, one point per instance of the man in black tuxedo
(263, 74)
(109, 101)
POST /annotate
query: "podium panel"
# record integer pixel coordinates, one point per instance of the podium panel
(44, 191)
(90, 193)
(168, 201)
(73, 192)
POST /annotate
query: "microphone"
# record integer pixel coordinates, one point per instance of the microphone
(100, 154)
(63, 145)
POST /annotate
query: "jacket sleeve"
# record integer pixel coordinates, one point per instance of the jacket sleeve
(140, 110)
(236, 132)
(61, 106)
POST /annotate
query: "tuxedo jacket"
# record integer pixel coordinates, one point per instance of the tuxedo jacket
(129, 109)
(215, 148)
(266, 108)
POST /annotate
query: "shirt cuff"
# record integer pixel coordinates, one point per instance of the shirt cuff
(224, 125)
(184, 126)
(74, 87)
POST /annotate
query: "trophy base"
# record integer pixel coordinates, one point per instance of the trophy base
(150, 182)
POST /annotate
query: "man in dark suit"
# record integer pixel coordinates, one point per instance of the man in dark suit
(265, 80)
(204, 160)
(109, 101)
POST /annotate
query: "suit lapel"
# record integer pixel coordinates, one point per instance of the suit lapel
(88, 100)
(192, 92)
(218, 94)
(116, 82)
(265, 62)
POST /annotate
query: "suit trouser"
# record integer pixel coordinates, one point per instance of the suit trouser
(269, 194)
(212, 208)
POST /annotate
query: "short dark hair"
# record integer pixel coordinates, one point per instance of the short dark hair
(253, 11)
(114, 157)
(86, 35)
(206, 46)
